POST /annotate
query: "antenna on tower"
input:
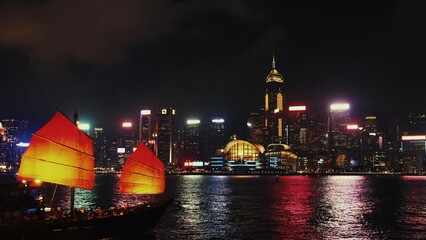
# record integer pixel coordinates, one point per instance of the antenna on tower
(273, 60)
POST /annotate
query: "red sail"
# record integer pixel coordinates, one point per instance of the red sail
(59, 153)
(143, 173)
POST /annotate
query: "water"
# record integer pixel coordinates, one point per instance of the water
(295, 207)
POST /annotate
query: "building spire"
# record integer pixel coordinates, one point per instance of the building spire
(273, 60)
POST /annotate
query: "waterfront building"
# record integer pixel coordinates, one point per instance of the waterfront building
(279, 156)
(307, 136)
(214, 139)
(338, 119)
(192, 141)
(374, 156)
(243, 155)
(413, 156)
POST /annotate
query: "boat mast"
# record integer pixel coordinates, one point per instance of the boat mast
(75, 118)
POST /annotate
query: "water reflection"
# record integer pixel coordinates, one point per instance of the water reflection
(294, 207)
(343, 203)
(205, 202)
(413, 208)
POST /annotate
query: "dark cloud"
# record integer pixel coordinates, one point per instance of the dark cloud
(110, 58)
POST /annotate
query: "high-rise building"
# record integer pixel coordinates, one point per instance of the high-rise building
(215, 137)
(166, 136)
(145, 126)
(338, 120)
(100, 148)
(193, 140)
(274, 105)
(296, 127)
(413, 154)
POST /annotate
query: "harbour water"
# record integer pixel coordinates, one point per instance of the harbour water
(294, 207)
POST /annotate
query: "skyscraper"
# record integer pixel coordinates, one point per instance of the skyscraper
(145, 126)
(274, 105)
(166, 136)
(100, 144)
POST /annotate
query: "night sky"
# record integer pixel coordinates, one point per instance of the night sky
(109, 59)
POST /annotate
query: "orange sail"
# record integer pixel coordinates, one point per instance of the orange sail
(59, 153)
(143, 173)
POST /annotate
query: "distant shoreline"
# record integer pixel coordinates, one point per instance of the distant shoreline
(273, 173)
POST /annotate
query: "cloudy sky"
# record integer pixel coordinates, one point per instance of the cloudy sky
(108, 59)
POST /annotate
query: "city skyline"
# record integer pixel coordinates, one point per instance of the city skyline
(113, 59)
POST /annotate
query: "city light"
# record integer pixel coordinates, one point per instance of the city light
(84, 126)
(297, 108)
(192, 121)
(413, 137)
(370, 118)
(23, 144)
(218, 120)
(339, 106)
(127, 124)
(145, 112)
(352, 126)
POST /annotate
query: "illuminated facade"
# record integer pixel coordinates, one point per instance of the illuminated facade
(338, 119)
(279, 156)
(100, 147)
(274, 105)
(372, 148)
(215, 137)
(14, 132)
(413, 155)
(145, 126)
(192, 140)
(240, 154)
(166, 136)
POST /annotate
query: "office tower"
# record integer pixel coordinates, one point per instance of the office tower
(145, 126)
(113, 154)
(166, 136)
(338, 119)
(100, 145)
(274, 105)
(193, 141)
(214, 137)
(296, 127)
(126, 143)
(374, 156)
(413, 154)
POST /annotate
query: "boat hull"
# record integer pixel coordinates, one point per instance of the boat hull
(138, 221)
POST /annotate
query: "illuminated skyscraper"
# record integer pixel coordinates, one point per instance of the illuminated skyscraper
(145, 126)
(338, 120)
(166, 136)
(274, 105)
(193, 140)
(215, 137)
(100, 147)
